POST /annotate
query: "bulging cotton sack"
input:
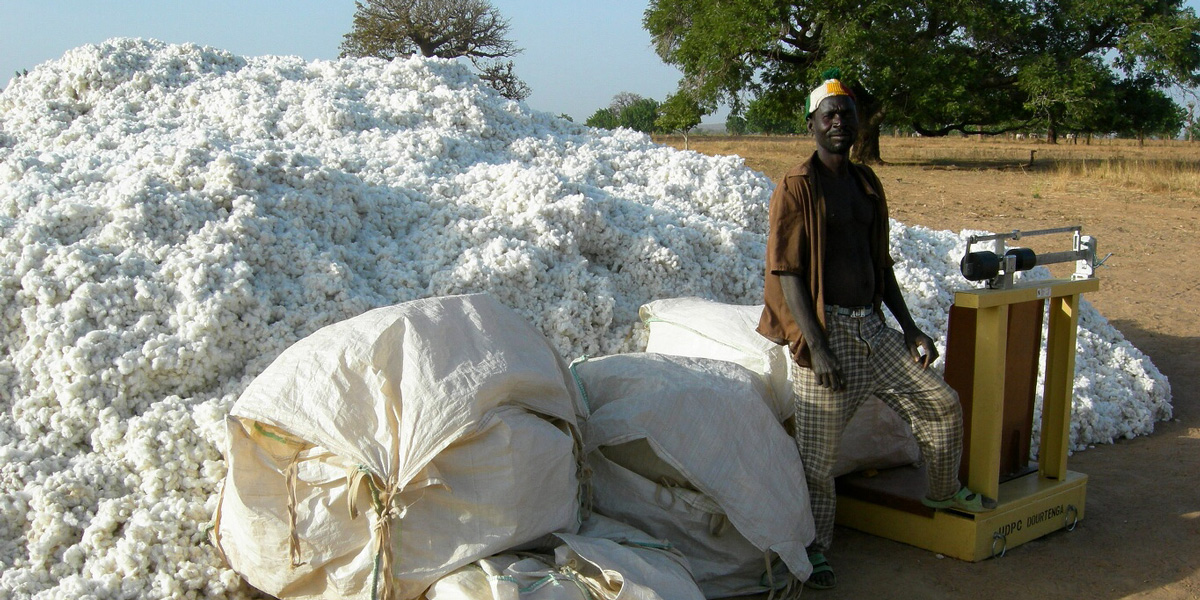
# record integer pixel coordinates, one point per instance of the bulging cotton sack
(875, 438)
(687, 450)
(384, 451)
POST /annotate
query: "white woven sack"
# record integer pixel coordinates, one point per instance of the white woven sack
(707, 329)
(508, 577)
(724, 563)
(875, 438)
(624, 557)
(382, 452)
(607, 560)
(726, 460)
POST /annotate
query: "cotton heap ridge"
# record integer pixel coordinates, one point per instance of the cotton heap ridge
(173, 216)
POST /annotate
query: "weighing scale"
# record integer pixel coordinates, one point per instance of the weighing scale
(992, 352)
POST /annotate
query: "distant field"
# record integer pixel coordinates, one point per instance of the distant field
(1171, 166)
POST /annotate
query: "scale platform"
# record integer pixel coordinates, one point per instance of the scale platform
(889, 505)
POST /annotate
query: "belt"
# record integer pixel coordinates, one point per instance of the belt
(850, 311)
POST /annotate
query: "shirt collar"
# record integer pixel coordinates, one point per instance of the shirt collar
(809, 170)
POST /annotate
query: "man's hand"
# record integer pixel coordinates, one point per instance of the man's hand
(826, 368)
(921, 347)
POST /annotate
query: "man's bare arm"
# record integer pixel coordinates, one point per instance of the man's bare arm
(825, 365)
(920, 346)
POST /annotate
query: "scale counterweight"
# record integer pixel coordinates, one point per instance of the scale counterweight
(998, 267)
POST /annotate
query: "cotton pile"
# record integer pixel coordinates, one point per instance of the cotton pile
(173, 216)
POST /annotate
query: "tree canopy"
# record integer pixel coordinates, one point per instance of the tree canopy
(604, 118)
(1146, 111)
(679, 114)
(627, 110)
(641, 115)
(767, 115)
(473, 29)
(932, 66)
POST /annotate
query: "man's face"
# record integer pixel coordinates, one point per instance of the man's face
(834, 124)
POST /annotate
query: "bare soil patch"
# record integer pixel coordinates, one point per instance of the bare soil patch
(1141, 535)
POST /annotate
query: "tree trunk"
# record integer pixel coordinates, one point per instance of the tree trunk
(1051, 130)
(866, 150)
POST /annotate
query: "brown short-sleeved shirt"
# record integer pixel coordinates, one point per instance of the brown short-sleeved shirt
(796, 245)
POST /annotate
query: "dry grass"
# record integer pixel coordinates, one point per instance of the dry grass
(1160, 176)
(1159, 167)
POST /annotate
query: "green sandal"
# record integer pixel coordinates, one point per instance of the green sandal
(965, 500)
(820, 567)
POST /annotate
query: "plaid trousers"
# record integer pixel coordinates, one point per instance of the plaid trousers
(874, 360)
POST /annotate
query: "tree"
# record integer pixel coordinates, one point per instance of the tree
(500, 77)
(1143, 110)
(623, 100)
(1074, 95)
(604, 118)
(1191, 127)
(768, 115)
(450, 29)
(641, 115)
(627, 110)
(933, 66)
(735, 124)
(680, 113)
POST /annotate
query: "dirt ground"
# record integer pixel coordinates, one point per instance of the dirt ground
(1141, 534)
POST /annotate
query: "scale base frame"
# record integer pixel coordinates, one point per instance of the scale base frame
(1028, 508)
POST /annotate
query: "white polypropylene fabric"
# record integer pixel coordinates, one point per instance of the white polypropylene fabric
(607, 560)
(645, 566)
(875, 438)
(508, 577)
(447, 424)
(707, 329)
(707, 421)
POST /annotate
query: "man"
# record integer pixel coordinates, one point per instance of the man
(828, 275)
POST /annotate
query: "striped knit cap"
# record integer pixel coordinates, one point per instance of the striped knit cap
(831, 87)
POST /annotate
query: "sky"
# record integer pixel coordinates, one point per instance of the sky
(577, 54)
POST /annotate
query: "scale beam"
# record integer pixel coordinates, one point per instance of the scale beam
(999, 266)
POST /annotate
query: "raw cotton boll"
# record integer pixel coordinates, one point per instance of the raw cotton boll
(172, 217)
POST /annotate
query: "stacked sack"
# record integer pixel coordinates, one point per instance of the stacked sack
(441, 448)
(383, 452)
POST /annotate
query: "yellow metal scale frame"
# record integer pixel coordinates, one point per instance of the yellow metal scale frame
(1031, 502)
